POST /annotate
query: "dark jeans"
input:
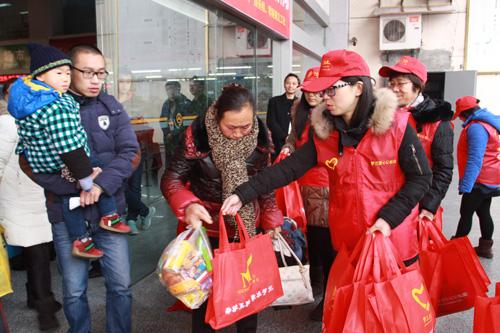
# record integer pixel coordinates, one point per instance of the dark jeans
(75, 219)
(475, 202)
(321, 252)
(37, 262)
(245, 325)
(133, 194)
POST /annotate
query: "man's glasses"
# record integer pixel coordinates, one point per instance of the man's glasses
(331, 91)
(399, 85)
(87, 74)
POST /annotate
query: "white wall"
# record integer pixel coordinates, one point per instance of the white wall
(443, 37)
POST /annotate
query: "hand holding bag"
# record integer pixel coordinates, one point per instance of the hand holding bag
(245, 277)
(295, 280)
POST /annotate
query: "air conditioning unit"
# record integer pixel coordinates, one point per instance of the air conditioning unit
(400, 32)
(247, 44)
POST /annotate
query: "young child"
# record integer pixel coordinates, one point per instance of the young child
(53, 140)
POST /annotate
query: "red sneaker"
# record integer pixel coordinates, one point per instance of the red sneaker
(114, 223)
(86, 249)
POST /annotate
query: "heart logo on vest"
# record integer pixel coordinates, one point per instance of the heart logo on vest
(332, 163)
(103, 122)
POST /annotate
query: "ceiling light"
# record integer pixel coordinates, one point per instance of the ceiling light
(5, 4)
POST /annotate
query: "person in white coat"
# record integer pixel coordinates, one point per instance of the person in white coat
(24, 218)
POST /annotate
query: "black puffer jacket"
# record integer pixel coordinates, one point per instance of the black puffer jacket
(431, 111)
(192, 177)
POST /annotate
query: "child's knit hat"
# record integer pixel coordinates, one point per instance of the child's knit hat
(44, 58)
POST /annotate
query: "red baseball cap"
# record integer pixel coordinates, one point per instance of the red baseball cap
(311, 74)
(336, 65)
(406, 64)
(465, 103)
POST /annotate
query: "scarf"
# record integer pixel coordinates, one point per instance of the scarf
(230, 157)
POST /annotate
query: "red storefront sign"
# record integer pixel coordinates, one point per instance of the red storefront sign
(274, 14)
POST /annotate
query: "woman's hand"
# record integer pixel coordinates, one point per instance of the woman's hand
(196, 214)
(425, 213)
(285, 151)
(274, 232)
(231, 205)
(382, 226)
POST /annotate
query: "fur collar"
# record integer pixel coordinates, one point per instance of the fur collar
(386, 104)
(430, 111)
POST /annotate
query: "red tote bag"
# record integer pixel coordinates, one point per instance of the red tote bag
(245, 277)
(452, 271)
(487, 313)
(400, 297)
(289, 200)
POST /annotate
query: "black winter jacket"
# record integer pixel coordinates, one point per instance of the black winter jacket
(430, 111)
(278, 119)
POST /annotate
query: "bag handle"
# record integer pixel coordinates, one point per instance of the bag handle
(223, 238)
(365, 261)
(391, 264)
(282, 242)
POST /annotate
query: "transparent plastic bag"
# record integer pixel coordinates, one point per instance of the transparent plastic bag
(185, 267)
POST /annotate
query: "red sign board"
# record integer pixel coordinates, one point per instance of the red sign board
(274, 14)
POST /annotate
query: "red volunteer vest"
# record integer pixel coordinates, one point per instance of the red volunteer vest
(490, 171)
(426, 136)
(362, 181)
(318, 175)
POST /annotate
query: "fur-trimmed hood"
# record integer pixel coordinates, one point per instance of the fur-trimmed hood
(386, 105)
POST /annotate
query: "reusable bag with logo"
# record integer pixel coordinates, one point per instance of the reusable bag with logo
(246, 278)
(452, 272)
(384, 296)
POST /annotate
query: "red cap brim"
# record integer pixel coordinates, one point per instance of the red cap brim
(319, 84)
(386, 71)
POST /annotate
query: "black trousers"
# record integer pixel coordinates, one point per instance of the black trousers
(37, 262)
(321, 252)
(475, 202)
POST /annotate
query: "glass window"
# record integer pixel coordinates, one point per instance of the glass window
(306, 22)
(14, 20)
(169, 62)
(302, 61)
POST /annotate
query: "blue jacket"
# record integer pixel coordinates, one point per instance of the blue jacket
(28, 95)
(477, 139)
(112, 141)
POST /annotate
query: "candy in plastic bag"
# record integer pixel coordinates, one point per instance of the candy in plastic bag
(185, 267)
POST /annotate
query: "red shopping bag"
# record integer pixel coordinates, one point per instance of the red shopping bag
(341, 289)
(289, 200)
(438, 217)
(487, 313)
(385, 296)
(400, 296)
(245, 277)
(451, 270)
(341, 274)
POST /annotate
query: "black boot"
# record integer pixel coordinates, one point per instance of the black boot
(46, 314)
(484, 248)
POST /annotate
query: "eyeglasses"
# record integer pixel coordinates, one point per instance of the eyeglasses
(87, 74)
(399, 85)
(331, 91)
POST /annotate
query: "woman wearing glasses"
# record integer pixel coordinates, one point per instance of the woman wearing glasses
(377, 167)
(314, 190)
(431, 119)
